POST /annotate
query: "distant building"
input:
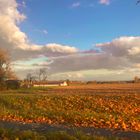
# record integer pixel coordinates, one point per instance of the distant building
(50, 84)
(13, 84)
(136, 79)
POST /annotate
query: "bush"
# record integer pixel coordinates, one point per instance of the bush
(2, 85)
(12, 84)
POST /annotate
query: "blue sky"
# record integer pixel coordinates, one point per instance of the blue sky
(72, 39)
(81, 26)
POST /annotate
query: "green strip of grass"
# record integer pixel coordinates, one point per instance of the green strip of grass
(6, 134)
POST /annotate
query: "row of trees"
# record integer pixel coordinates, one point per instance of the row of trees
(41, 75)
(7, 73)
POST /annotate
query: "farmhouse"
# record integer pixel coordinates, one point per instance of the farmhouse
(50, 84)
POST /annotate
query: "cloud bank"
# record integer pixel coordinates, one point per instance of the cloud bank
(120, 54)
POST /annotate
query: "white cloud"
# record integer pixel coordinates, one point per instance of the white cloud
(10, 34)
(134, 50)
(45, 32)
(17, 42)
(123, 46)
(60, 48)
(76, 4)
(105, 2)
(48, 50)
(120, 54)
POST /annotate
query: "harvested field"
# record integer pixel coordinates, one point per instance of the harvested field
(111, 106)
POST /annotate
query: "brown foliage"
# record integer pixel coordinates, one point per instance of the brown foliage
(5, 69)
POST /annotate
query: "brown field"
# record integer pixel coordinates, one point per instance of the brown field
(97, 88)
(132, 86)
(115, 106)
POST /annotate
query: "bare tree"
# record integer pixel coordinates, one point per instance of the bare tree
(5, 70)
(42, 74)
(29, 77)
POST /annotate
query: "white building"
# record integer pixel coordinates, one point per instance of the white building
(50, 84)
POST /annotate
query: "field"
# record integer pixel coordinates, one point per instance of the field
(109, 106)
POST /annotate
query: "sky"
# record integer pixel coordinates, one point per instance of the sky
(76, 40)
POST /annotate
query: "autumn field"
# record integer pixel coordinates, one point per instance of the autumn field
(114, 107)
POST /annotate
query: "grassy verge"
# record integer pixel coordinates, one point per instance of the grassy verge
(100, 111)
(6, 134)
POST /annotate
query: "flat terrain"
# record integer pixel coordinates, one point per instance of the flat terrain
(102, 106)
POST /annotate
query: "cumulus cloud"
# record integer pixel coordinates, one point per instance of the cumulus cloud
(48, 50)
(10, 34)
(105, 2)
(122, 47)
(17, 42)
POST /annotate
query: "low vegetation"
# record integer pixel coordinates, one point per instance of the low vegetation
(113, 111)
(7, 134)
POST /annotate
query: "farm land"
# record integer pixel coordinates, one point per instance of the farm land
(114, 107)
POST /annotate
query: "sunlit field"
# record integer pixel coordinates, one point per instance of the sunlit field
(70, 70)
(79, 107)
